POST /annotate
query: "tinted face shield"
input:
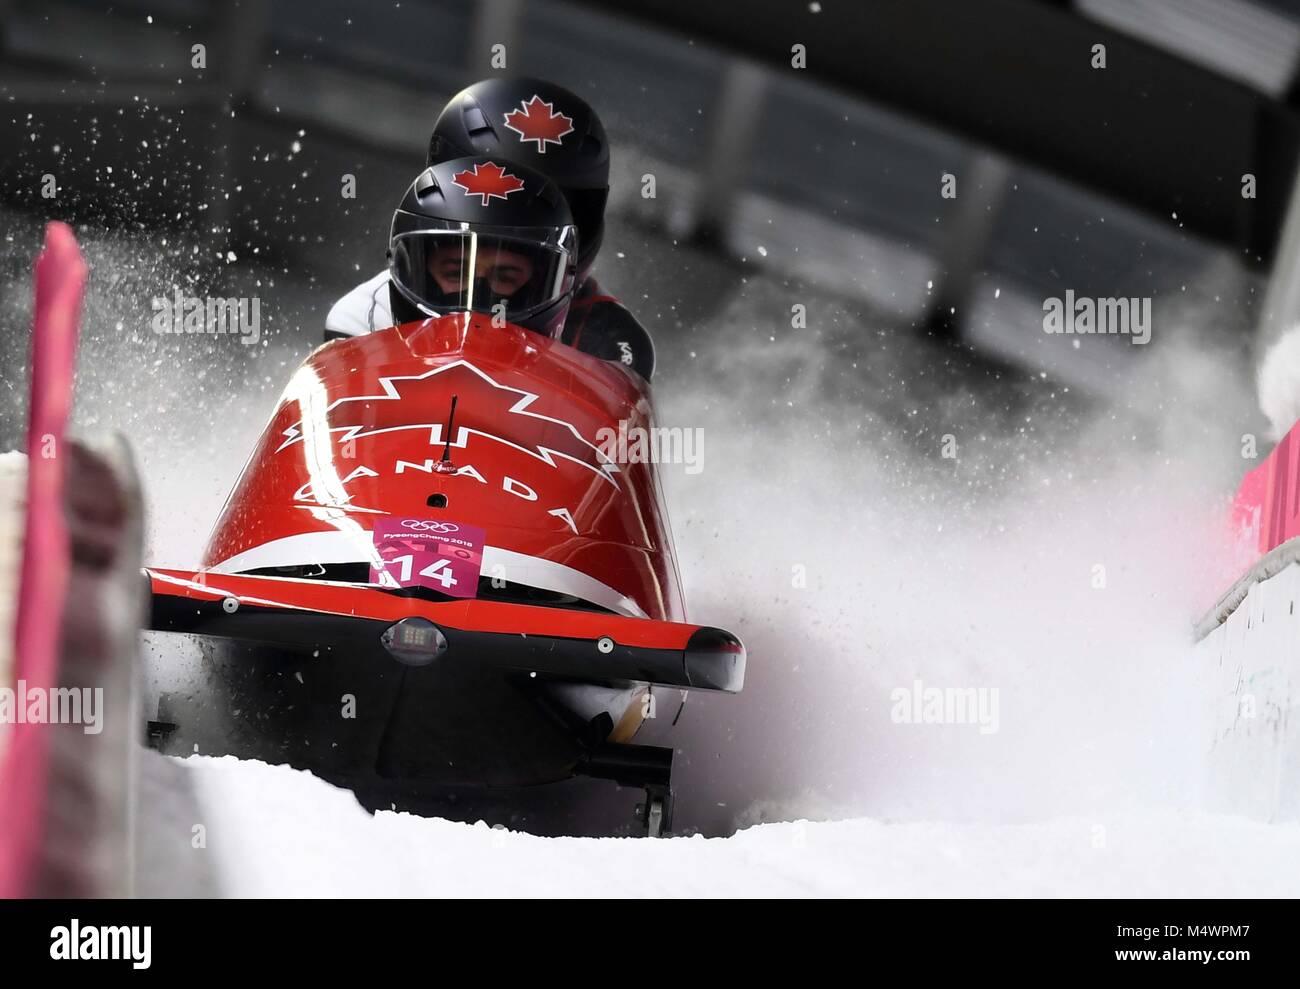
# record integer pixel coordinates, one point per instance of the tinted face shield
(515, 272)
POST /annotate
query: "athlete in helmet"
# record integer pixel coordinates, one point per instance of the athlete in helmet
(473, 234)
(544, 127)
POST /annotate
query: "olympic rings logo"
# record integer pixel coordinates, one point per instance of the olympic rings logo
(430, 525)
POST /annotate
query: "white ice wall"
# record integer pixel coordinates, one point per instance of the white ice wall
(1252, 666)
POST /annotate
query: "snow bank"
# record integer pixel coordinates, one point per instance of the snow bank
(275, 831)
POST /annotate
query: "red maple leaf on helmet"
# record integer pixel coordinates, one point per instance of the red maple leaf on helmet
(488, 180)
(539, 121)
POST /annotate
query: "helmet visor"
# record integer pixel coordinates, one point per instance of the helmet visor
(458, 269)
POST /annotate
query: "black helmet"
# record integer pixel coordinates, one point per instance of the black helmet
(473, 234)
(543, 126)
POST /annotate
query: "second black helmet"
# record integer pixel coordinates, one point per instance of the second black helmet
(543, 126)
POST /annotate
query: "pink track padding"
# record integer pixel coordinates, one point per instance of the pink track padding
(1266, 510)
(60, 284)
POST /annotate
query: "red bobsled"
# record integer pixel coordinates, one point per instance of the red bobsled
(431, 573)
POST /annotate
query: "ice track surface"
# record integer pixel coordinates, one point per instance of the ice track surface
(275, 831)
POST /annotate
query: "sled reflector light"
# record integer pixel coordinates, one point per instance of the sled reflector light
(715, 660)
(414, 641)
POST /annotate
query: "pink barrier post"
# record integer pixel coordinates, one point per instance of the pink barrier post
(60, 276)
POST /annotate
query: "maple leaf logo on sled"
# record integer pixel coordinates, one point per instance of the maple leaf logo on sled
(488, 180)
(539, 121)
(487, 408)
